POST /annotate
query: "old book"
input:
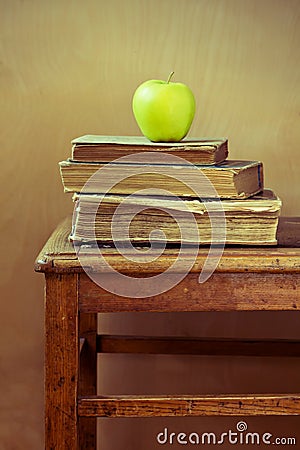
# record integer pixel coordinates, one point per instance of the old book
(108, 148)
(250, 222)
(231, 179)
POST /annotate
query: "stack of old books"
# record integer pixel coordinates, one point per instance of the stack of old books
(157, 182)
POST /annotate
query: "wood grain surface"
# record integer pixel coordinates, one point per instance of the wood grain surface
(61, 361)
(187, 406)
(69, 68)
(174, 345)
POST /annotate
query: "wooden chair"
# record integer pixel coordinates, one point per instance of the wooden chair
(252, 278)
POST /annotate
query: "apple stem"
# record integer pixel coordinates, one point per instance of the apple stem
(170, 76)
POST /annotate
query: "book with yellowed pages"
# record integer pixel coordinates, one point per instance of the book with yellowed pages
(230, 179)
(252, 221)
(94, 148)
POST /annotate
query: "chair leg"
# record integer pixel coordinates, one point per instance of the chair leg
(61, 361)
(88, 377)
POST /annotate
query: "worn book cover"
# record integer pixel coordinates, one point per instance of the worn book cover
(230, 179)
(96, 148)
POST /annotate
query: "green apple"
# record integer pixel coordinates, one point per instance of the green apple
(164, 110)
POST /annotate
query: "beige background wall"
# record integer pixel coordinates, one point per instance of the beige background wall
(69, 68)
